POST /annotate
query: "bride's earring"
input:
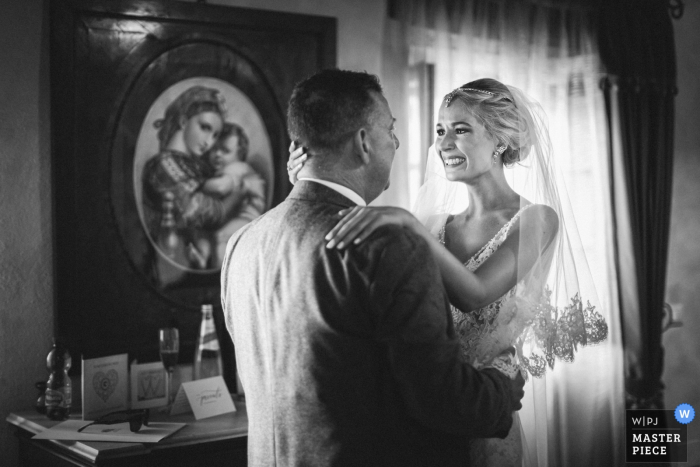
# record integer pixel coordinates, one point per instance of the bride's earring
(497, 153)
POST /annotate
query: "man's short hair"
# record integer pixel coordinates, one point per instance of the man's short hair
(329, 107)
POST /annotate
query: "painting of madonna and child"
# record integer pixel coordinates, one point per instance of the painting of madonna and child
(202, 169)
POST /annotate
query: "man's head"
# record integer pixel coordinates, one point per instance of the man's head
(328, 107)
(344, 122)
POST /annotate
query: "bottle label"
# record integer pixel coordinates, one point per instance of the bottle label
(54, 398)
(210, 342)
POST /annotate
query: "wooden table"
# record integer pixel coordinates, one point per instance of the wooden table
(220, 440)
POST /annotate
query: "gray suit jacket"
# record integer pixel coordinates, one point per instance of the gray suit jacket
(349, 357)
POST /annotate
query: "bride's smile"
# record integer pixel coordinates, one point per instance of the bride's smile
(454, 161)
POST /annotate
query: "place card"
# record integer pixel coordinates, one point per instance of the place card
(204, 397)
(105, 385)
(148, 385)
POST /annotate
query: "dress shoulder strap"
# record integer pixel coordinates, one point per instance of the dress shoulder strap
(506, 228)
(501, 234)
(492, 245)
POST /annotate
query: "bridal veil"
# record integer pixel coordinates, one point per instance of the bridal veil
(555, 306)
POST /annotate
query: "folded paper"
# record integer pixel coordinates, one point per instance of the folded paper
(120, 432)
(204, 397)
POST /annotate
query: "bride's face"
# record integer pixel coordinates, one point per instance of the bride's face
(463, 143)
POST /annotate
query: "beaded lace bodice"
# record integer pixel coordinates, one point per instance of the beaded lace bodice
(557, 331)
(475, 327)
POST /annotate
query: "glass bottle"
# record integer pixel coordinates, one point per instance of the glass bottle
(58, 387)
(207, 357)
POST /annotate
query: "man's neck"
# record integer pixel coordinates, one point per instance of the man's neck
(341, 176)
(343, 189)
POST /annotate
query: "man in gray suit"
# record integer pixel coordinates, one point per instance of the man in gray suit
(349, 357)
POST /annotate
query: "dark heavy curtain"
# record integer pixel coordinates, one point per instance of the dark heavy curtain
(637, 50)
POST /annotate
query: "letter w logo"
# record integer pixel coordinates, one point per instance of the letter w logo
(684, 413)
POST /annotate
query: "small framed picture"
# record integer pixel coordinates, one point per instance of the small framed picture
(148, 385)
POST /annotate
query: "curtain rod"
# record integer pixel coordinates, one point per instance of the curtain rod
(395, 6)
(676, 7)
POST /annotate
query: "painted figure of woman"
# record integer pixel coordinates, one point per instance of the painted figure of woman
(177, 214)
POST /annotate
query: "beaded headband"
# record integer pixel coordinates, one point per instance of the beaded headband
(451, 95)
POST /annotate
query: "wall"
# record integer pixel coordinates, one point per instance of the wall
(360, 25)
(26, 289)
(682, 359)
(26, 314)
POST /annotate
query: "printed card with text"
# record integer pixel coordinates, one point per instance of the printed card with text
(148, 385)
(104, 385)
(205, 397)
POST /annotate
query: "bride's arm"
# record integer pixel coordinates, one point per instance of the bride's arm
(466, 290)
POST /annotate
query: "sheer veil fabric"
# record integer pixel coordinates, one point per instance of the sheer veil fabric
(549, 50)
(553, 309)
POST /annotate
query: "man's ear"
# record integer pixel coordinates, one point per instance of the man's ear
(361, 145)
(183, 121)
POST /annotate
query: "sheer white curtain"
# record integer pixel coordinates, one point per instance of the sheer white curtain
(548, 50)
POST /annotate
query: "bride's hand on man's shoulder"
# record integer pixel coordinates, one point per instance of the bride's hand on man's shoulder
(359, 222)
(297, 157)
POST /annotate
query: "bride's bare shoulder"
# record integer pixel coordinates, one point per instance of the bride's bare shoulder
(542, 217)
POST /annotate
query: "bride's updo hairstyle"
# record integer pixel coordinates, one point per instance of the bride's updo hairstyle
(492, 104)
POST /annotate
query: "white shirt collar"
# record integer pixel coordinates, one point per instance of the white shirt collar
(343, 190)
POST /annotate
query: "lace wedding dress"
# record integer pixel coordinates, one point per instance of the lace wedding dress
(551, 311)
(474, 329)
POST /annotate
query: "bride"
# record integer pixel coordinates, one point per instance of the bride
(503, 247)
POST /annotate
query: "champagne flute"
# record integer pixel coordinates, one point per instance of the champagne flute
(169, 340)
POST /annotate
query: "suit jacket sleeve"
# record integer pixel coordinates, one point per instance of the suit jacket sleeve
(440, 390)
